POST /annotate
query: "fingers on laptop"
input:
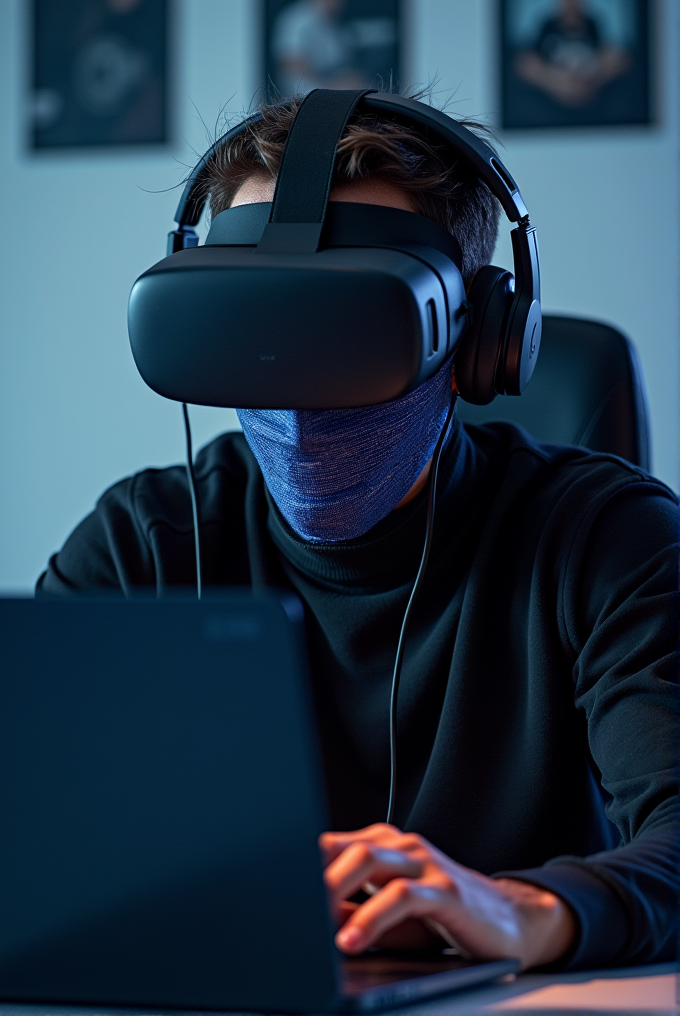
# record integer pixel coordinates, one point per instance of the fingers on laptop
(399, 900)
(363, 864)
(407, 877)
(412, 880)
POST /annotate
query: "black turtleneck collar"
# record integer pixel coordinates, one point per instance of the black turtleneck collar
(388, 554)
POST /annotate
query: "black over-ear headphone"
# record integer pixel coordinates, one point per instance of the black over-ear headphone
(305, 305)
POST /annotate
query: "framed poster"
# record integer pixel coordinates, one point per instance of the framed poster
(99, 73)
(574, 63)
(330, 44)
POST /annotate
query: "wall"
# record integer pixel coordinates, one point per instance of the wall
(74, 415)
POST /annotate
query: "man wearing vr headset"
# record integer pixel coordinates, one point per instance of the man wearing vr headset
(537, 682)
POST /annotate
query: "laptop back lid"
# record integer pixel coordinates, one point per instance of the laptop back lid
(149, 753)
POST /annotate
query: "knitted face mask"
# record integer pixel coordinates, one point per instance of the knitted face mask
(335, 473)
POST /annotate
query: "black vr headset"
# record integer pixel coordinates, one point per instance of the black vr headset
(306, 304)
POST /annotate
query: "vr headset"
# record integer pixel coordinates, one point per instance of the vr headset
(306, 304)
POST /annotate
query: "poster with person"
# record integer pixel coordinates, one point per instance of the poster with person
(574, 63)
(330, 44)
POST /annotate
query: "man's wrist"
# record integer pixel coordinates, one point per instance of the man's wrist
(548, 924)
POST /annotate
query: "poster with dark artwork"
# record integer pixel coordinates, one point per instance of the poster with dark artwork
(574, 63)
(330, 44)
(99, 75)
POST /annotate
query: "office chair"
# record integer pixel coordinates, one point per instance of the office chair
(586, 390)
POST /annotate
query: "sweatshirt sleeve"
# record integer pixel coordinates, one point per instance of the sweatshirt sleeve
(620, 615)
(108, 551)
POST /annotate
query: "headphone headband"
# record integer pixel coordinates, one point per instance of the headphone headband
(408, 112)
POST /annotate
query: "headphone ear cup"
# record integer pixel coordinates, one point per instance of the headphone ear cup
(479, 353)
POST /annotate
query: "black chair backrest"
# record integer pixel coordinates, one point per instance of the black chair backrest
(586, 390)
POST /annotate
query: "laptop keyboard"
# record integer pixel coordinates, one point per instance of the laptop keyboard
(373, 970)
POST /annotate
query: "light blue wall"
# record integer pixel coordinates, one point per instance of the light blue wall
(77, 230)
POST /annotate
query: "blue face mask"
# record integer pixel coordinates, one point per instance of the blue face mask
(335, 473)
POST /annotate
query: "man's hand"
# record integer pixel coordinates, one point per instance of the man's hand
(490, 918)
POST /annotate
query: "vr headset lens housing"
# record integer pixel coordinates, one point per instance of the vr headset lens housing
(352, 324)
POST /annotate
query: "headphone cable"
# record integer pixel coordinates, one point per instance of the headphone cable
(417, 585)
(396, 674)
(191, 476)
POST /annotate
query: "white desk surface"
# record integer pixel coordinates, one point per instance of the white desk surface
(651, 990)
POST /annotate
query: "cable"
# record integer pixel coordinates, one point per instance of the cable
(191, 476)
(429, 528)
(396, 675)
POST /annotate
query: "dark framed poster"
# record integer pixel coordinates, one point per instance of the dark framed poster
(99, 73)
(330, 44)
(574, 63)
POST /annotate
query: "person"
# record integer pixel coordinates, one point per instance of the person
(570, 61)
(536, 801)
(312, 48)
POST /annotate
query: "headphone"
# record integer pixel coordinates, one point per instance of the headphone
(303, 303)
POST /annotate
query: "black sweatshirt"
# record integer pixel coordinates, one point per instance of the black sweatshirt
(537, 709)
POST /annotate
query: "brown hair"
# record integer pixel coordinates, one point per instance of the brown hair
(440, 188)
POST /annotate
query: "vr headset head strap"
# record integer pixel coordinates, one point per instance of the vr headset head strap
(304, 180)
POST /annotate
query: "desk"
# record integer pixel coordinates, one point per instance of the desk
(636, 990)
(649, 989)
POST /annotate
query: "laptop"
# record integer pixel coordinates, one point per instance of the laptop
(160, 802)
